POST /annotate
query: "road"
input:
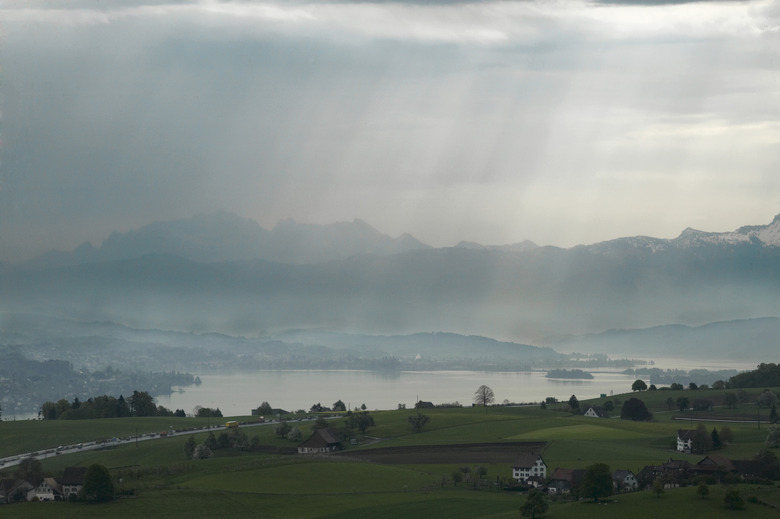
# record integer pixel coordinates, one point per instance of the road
(63, 450)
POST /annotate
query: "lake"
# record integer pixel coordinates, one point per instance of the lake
(237, 393)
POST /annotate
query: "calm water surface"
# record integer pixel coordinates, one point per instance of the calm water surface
(237, 393)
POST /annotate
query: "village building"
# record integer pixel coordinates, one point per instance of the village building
(72, 481)
(529, 464)
(685, 440)
(13, 490)
(48, 490)
(596, 412)
(624, 480)
(321, 441)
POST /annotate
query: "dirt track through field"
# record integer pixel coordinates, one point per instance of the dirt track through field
(434, 454)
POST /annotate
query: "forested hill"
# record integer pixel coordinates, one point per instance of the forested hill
(766, 375)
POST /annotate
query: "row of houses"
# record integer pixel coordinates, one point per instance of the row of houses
(47, 489)
(530, 469)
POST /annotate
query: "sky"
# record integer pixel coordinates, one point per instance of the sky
(560, 122)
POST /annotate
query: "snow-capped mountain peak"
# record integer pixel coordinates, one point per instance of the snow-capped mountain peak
(766, 235)
(763, 235)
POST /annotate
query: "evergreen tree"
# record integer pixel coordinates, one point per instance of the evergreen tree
(716, 443)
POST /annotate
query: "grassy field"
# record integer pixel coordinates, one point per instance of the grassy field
(164, 483)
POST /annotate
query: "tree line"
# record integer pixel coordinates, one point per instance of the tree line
(140, 403)
(765, 375)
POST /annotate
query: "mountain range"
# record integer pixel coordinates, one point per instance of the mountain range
(226, 237)
(227, 274)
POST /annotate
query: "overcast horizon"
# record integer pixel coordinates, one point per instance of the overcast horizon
(562, 123)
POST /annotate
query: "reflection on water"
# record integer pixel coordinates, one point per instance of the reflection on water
(236, 393)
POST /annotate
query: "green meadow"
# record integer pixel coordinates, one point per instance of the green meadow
(158, 480)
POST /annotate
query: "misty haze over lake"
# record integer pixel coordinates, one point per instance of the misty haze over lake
(191, 187)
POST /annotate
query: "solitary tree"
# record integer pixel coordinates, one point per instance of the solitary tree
(202, 452)
(265, 409)
(457, 477)
(638, 385)
(535, 505)
(702, 441)
(635, 409)
(658, 487)
(766, 398)
(417, 421)
(733, 500)
(703, 490)
(715, 437)
(319, 423)
(730, 399)
(773, 438)
(98, 486)
(768, 464)
(574, 404)
(484, 396)
(597, 482)
(363, 421)
(282, 428)
(189, 447)
(726, 435)
(295, 435)
(682, 403)
(339, 406)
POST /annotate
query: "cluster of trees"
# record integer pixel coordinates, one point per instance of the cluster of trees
(338, 406)
(705, 441)
(207, 412)
(471, 475)
(285, 430)
(234, 438)
(140, 403)
(765, 375)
